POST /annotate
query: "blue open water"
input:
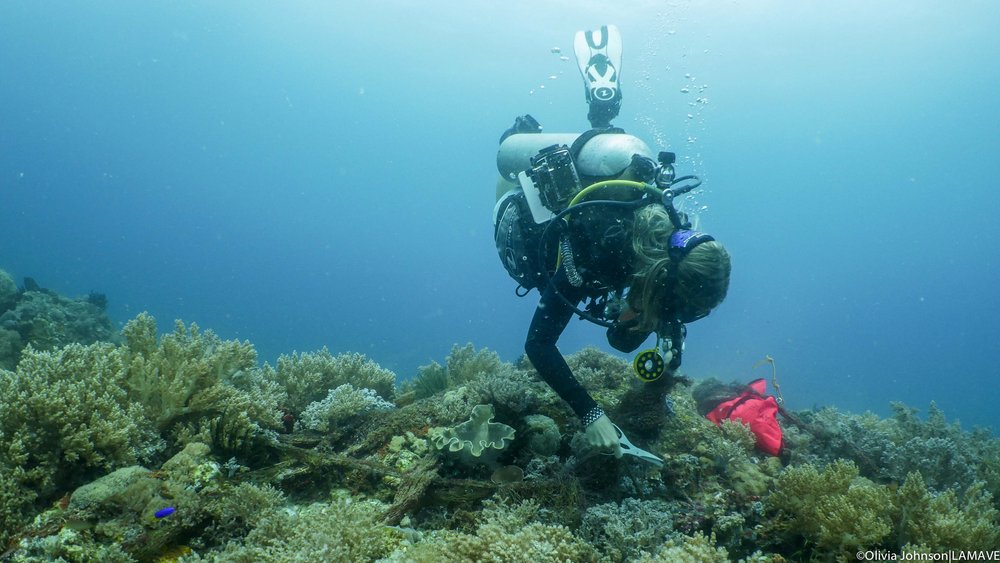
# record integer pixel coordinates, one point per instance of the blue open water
(303, 174)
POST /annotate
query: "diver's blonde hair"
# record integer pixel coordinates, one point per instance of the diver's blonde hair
(702, 277)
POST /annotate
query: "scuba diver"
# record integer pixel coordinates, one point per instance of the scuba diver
(589, 220)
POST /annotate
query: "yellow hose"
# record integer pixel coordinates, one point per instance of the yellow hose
(621, 183)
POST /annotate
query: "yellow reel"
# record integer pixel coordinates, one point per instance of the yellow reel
(649, 365)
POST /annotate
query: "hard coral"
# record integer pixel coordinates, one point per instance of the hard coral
(195, 386)
(343, 407)
(946, 521)
(503, 533)
(65, 415)
(623, 531)
(308, 377)
(833, 509)
(463, 364)
(690, 549)
(344, 530)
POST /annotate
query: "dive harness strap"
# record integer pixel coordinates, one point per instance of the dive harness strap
(586, 136)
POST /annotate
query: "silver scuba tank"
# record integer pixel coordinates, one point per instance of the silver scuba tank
(605, 155)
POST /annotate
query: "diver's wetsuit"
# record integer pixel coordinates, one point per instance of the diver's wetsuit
(601, 242)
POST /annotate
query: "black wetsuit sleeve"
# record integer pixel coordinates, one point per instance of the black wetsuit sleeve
(550, 319)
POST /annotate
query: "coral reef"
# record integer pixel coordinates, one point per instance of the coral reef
(834, 509)
(341, 408)
(47, 321)
(65, 418)
(196, 387)
(462, 365)
(181, 447)
(477, 435)
(8, 291)
(623, 531)
(308, 377)
(342, 530)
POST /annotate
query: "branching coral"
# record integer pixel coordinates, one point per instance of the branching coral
(309, 376)
(65, 415)
(689, 549)
(195, 386)
(463, 364)
(344, 530)
(343, 407)
(834, 508)
(502, 534)
(622, 531)
(936, 523)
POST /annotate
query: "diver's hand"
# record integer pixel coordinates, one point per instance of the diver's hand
(602, 436)
(668, 357)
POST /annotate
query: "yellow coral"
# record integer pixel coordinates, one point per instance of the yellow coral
(835, 509)
(692, 549)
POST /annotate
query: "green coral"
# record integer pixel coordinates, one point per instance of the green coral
(834, 509)
(239, 509)
(543, 435)
(622, 531)
(66, 416)
(195, 386)
(689, 549)
(937, 523)
(308, 377)
(463, 364)
(343, 530)
(476, 435)
(69, 544)
(15, 500)
(502, 533)
(343, 409)
(47, 321)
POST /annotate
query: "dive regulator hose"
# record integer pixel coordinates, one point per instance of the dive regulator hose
(650, 196)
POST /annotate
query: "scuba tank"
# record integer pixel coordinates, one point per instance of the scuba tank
(603, 155)
(552, 168)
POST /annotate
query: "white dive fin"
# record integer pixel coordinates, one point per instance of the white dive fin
(599, 55)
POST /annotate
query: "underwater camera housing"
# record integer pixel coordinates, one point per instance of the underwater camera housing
(554, 176)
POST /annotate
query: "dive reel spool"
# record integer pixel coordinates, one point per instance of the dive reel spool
(650, 364)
